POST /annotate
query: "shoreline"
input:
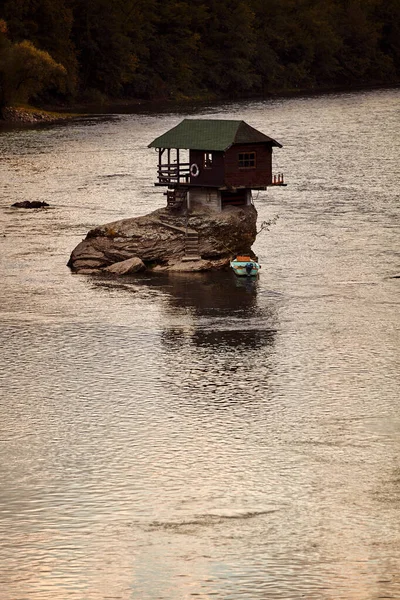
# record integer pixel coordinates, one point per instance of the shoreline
(128, 105)
(21, 115)
(15, 116)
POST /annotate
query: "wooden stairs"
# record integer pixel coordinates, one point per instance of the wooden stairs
(191, 246)
(191, 241)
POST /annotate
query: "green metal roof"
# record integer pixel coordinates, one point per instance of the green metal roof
(211, 135)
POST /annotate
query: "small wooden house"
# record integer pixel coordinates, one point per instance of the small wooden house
(214, 163)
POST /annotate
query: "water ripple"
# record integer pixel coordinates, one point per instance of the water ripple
(179, 437)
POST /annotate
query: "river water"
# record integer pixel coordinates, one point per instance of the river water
(176, 437)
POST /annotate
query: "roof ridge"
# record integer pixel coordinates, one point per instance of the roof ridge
(221, 120)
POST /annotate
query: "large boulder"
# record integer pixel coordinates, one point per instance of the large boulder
(158, 239)
(126, 267)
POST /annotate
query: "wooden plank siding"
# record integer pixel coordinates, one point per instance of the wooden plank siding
(225, 170)
(259, 176)
(213, 177)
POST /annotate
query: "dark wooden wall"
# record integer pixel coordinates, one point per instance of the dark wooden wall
(225, 169)
(211, 177)
(250, 178)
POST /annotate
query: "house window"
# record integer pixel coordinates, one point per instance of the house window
(247, 160)
(208, 159)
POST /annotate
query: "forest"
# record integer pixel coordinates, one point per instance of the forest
(91, 50)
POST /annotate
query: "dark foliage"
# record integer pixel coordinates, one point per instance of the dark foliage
(175, 48)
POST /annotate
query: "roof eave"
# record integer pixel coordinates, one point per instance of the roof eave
(272, 142)
(179, 147)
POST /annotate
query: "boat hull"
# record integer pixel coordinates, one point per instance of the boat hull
(243, 269)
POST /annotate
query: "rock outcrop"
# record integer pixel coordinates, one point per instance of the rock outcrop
(160, 240)
(30, 204)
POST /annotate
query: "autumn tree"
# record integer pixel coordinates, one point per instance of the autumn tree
(48, 25)
(25, 70)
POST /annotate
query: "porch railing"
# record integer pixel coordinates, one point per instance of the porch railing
(278, 179)
(174, 173)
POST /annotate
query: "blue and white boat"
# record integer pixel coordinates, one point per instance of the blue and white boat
(245, 266)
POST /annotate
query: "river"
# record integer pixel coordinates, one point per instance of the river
(177, 437)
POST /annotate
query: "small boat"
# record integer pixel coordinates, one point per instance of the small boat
(245, 266)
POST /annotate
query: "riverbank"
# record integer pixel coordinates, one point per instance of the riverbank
(30, 115)
(178, 102)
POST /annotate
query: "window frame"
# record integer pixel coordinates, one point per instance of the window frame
(208, 159)
(248, 157)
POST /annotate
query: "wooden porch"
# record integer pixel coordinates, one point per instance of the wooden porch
(172, 172)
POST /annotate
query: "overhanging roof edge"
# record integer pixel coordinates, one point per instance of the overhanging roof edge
(211, 135)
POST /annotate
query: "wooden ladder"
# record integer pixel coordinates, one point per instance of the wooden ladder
(191, 246)
(176, 198)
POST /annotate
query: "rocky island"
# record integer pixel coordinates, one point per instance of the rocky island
(166, 241)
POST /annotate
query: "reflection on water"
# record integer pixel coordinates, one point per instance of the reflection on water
(204, 436)
(205, 293)
(240, 338)
(218, 298)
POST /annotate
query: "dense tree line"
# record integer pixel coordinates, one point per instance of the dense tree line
(175, 48)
